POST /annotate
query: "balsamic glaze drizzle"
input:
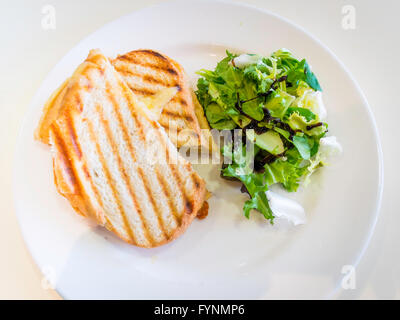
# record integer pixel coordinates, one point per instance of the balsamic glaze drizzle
(315, 125)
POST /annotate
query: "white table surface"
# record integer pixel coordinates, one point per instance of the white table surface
(371, 52)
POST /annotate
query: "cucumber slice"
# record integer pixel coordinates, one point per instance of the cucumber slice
(269, 141)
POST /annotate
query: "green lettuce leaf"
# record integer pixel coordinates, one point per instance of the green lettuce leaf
(306, 113)
(241, 169)
(259, 202)
(285, 60)
(302, 72)
(302, 145)
(278, 103)
(217, 117)
(255, 185)
(299, 123)
(311, 79)
(284, 172)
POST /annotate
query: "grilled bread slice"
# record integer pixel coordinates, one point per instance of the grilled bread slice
(115, 164)
(147, 72)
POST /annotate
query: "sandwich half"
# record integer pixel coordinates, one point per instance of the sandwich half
(115, 163)
(147, 73)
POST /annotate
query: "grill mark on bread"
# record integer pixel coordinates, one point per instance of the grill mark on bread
(110, 183)
(166, 125)
(152, 53)
(72, 134)
(172, 71)
(172, 114)
(138, 124)
(64, 157)
(134, 60)
(177, 115)
(149, 193)
(188, 206)
(195, 180)
(96, 193)
(86, 171)
(146, 77)
(142, 91)
(186, 200)
(151, 79)
(188, 118)
(179, 99)
(78, 102)
(88, 86)
(168, 195)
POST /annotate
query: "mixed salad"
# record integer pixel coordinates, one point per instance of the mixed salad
(276, 103)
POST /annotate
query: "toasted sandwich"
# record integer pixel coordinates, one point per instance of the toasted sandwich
(148, 72)
(114, 162)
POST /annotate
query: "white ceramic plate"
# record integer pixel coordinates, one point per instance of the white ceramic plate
(225, 255)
